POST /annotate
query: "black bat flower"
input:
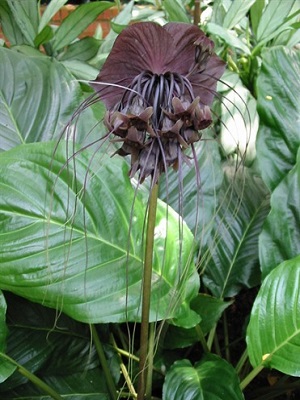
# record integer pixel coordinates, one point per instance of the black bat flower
(158, 84)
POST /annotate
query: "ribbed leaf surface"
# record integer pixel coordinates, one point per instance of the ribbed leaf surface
(80, 249)
(231, 260)
(210, 379)
(280, 238)
(278, 89)
(273, 334)
(37, 98)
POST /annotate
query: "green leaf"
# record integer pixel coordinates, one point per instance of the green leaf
(236, 12)
(82, 50)
(255, 14)
(230, 261)
(81, 70)
(273, 334)
(44, 36)
(272, 17)
(84, 242)
(77, 22)
(6, 369)
(183, 381)
(228, 36)
(176, 11)
(79, 386)
(26, 16)
(9, 26)
(33, 101)
(278, 103)
(239, 118)
(280, 238)
(3, 328)
(52, 8)
(54, 347)
(200, 202)
(210, 310)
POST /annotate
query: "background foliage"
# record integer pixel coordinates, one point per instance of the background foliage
(70, 239)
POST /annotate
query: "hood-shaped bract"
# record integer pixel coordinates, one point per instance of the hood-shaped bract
(158, 84)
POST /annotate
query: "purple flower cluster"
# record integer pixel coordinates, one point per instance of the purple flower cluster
(161, 82)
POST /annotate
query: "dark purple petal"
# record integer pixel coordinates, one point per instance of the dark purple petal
(205, 83)
(184, 36)
(144, 46)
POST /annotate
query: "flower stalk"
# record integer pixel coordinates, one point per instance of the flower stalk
(146, 295)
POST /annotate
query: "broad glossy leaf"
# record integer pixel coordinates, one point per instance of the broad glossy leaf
(210, 379)
(77, 22)
(273, 334)
(38, 96)
(278, 103)
(237, 10)
(280, 237)
(230, 262)
(272, 17)
(52, 346)
(210, 310)
(80, 386)
(79, 249)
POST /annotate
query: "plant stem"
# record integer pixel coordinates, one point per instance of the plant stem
(104, 364)
(124, 369)
(146, 294)
(33, 378)
(251, 376)
(202, 338)
(197, 12)
(241, 362)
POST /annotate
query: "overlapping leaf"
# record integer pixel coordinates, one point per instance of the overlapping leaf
(185, 381)
(280, 238)
(6, 369)
(273, 334)
(38, 96)
(79, 249)
(56, 348)
(278, 89)
(230, 262)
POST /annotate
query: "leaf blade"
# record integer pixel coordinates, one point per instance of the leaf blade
(77, 22)
(278, 90)
(105, 284)
(183, 381)
(273, 334)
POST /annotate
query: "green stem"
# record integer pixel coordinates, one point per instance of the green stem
(241, 362)
(124, 369)
(245, 382)
(211, 336)
(146, 294)
(104, 364)
(33, 378)
(202, 338)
